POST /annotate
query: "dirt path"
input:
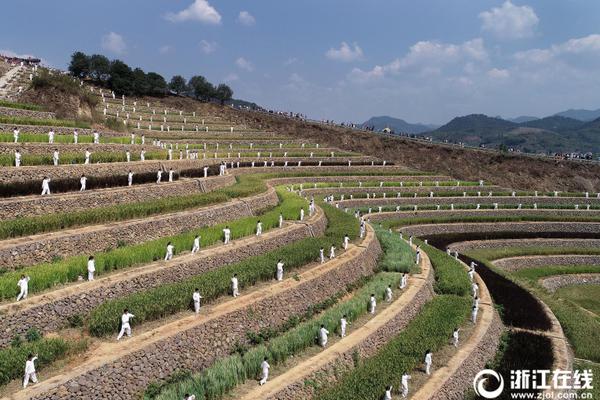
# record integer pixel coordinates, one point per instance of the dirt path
(52, 294)
(354, 338)
(108, 352)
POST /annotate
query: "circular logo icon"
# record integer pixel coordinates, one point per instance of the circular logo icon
(480, 380)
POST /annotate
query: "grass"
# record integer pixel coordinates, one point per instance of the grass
(533, 274)
(43, 122)
(48, 275)
(398, 256)
(513, 251)
(585, 296)
(12, 359)
(169, 299)
(20, 106)
(450, 275)
(65, 139)
(213, 382)
(374, 184)
(595, 369)
(430, 329)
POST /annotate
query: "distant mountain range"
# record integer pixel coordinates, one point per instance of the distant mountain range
(551, 134)
(566, 131)
(398, 125)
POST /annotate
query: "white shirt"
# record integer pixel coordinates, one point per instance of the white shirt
(343, 323)
(125, 318)
(428, 358)
(234, 283)
(279, 267)
(55, 156)
(87, 154)
(197, 242)
(196, 297)
(91, 266)
(23, 283)
(265, 367)
(405, 379)
(388, 395)
(323, 333)
(170, 249)
(46, 183)
(227, 231)
(83, 180)
(373, 302)
(30, 366)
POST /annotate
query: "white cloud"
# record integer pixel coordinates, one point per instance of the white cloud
(345, 53)
(199, 10)
(290, 61)
(587, 44)
(534, 56)
(165, 49)
(510, 21)
(427, 58)
(245, 18)
(207, 46)
(242, 63)
(231, 78)
(114, 43)
(496, 73)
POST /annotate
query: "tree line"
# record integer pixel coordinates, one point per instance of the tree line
(122, 79)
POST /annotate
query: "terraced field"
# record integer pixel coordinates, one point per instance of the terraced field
(311, 234)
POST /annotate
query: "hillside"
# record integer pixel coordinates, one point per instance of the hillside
(522, 118)
(580, 114)
(397, 125)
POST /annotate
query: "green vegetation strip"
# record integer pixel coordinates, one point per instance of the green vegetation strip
(398, 256)
(395, 223)
(586, 296)
(525, 250)
(375, 184)
(12, 359)
(534, 274)
(21, 106)
(169, 299)
(457, 193)
(48, 275)
(215, 381)
(429, 330)
(450, 274)
(43, 122)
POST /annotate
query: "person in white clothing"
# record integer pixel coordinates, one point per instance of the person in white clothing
(388, 393)
(388, 293)
(87, 156)
(475, 289)
(196, 298)
(51, 136)
(91, 268)
(75, 136)
(474, 314)
(23, 285)
(196, 245)
(455, 337)
(188, 396)
(346, 242)
(264, 366)
(132, 138)
(323, 336)
(226, 235)
(45, 186)
(259, 227)
(471, 274)
(279, 272)
(404, 383)
(171, 173)
(30, 370)
(17, 158)
(332, 252)
(129, 178)
(16, 134)
(159, 176)
(428, 362)
(372, 303)
(281, 220)
(55, 157)
(322, 255)
(343, 325)
(404, 280)
(96, 137)
(418, 256)
(143, 155)
(476, 302)
(235, 291)
(169, 254)
(125, 327)
(83, 182)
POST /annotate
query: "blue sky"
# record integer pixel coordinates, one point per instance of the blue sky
(424, 61)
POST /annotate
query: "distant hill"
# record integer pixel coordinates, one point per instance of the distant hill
(550, 134)
(397, 125)
(581, 114)
(522, 118)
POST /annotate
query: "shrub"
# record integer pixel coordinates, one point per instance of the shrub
(33, 335)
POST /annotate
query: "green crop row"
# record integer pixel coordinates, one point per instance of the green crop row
(429, 330)
(526, 250)
(226, 373)
(43, 122)
(398, 256)
(450, 275)
(168, 299)
(445, 194)
(376, 184)
(47, 275)
(79, 158)
(64, 138)
(21, 106)
(12, 359)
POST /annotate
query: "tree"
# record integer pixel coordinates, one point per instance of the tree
(203, 89)
(178, 84)
(121, 78)
(223, 93)
(157, 86)
(140, 82)
(99, 68)
(80, 65)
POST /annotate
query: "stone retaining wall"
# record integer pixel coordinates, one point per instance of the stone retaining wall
(356, 178)
(44, 247)
(463, 247)
(328, 374)
(386, 216)
(553, 283)
(17, 112)
(391, 192)
(33, 173)
(532, 227)
(215, 339)
(44, 129)
(518, 263)
(53, 315)
(470, 200)
(322, 169)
